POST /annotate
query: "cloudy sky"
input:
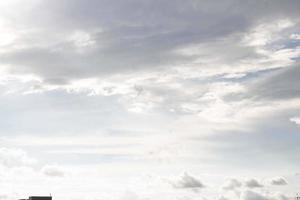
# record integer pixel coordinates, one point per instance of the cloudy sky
(144, 99)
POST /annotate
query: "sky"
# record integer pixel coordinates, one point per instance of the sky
(145, 99)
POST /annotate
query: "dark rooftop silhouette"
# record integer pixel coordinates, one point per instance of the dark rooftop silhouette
(38, 198)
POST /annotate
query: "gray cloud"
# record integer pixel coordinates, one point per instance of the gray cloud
(188, 181)
(281, 85)
(52, 171)
(222, 198)
(253, 183)
(251, 195)
(278, 181)
(130, 40)
(129, 36)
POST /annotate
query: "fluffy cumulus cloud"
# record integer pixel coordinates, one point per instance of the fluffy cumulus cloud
(188, 181)
(52, 171)
(231, 184)
(253, 183)
(250, 195)
(278, 181)
(15, 158)
(254, 195)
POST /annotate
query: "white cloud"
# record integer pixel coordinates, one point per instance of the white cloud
(266, 33)
(15, 158)
(232, 184)
(222, 198)
(82, 39)
(194, 84)
(53, 171)
(295, 36)
(296, 120)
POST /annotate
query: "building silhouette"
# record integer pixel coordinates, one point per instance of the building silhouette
(38, 198)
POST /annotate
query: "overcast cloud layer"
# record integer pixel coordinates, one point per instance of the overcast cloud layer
(143, 99)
